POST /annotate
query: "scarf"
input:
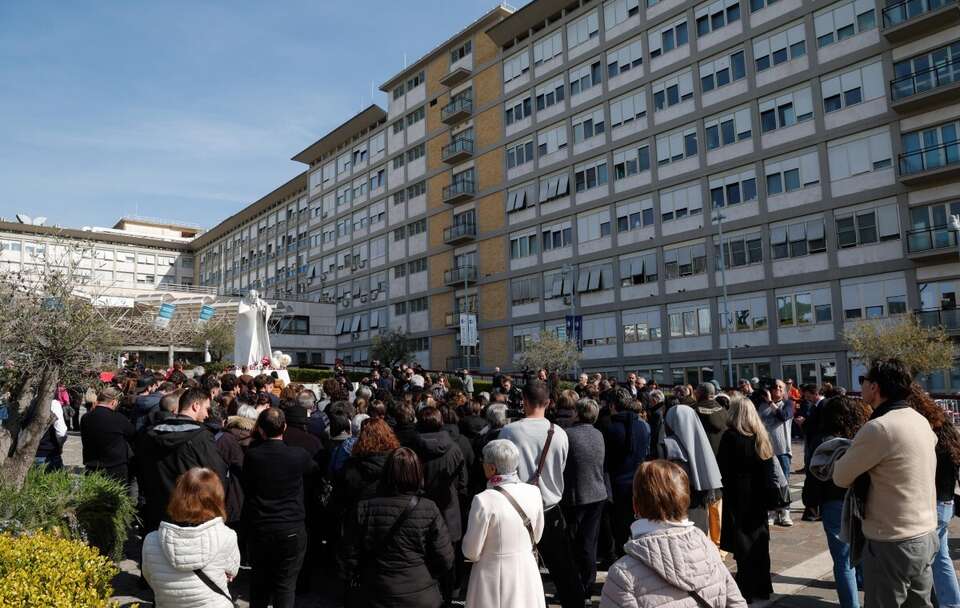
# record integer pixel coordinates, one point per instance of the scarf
(499, 480)
(646, 526)
(701, 464)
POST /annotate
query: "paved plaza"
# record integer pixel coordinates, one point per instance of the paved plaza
(801, 565)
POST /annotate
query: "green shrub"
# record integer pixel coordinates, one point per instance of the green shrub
(216, 367)
(92, 508)
(308, 376)
(53, 572)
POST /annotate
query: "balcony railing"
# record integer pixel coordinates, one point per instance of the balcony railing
(461, 274)
(930, 158)
(948, 319)
(931, 239)
(901, 12)
(459, 189)
(459, 232)
(471, 362)
(456, 109)
(460, 147)
(925, 80)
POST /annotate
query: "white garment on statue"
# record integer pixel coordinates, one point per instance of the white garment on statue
(252, 341)
(505, 574)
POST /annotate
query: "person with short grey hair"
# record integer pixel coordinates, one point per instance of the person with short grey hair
(505, 523)
(496, 416)
(584, 490)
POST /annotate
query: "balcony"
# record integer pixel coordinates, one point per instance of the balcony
(458, 191)
(931, 164)
(460, 275)
(914, 18)
(948, 319)
(463, 362)
(459, 109)
(458, 150)
(935, 242)
(455, 77)
(926, 88)
(459, 233)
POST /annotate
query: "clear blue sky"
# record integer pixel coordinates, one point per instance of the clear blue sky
(187, 110)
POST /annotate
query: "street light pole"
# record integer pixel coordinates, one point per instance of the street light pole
(573, 309)
(726, 310)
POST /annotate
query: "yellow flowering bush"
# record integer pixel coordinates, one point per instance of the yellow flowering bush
(54, 572)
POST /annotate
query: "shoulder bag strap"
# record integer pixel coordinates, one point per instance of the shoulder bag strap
(212, 585)
(399, 521)
(523, 515)
(535, 480)
(702, 603)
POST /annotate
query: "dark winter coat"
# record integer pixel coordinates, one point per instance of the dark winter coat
(627, 440)
(444, 476)
(407, 434)
(583, 477)
(473, 426)
(107, 436)
(358, 480)
(466, 448)
(744, 526)
(714, 418)
(301, 438)
(232, 454)
(402, 571)
(242, 429)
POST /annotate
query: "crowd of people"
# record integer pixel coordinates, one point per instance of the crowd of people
(418, 491)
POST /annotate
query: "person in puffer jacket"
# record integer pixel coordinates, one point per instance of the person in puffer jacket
(669, 563)
(199, 540)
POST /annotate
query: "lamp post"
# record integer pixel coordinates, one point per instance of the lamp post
(573, 308)
(726, 311)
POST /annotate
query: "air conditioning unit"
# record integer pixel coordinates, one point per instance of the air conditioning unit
(363, 299)
(363, 263)
(355, 335)
(323, 276)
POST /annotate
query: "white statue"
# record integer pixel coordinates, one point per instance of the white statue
(252, 342)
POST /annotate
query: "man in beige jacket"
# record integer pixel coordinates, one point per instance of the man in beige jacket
(896, 450)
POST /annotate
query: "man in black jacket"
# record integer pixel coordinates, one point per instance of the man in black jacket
(273, 483)
(106, 435)
(173, 447)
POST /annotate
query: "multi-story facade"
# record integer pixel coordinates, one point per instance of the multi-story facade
(600, 157)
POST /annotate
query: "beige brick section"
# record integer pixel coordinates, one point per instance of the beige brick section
(442, 347)
(493, 347)
(490, 212)
(435, 71)
(493, 301)
(437, 265)
(435, 190)
(434, 148)
(440, 306)
(489, 169)
(484, 49)
(492, 256)
(486, 86)
(435, 225)
(487, 127)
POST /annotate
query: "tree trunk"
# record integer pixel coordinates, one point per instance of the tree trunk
(13, 471)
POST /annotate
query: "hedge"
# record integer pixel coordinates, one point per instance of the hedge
(54, 572)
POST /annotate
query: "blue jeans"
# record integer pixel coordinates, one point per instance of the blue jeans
(944, 576)
(845, 576)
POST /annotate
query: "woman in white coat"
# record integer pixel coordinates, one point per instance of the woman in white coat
(189, 563)
(502, 541)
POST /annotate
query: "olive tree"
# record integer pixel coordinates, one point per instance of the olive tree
(391, 348)
(552, 353)
(922, 349)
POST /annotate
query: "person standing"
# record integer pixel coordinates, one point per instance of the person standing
(504, 525)
(273, 480)
(896, 452)
(467, 381)
(543, 450)
(776, 412)
(106, 436)
(686, 443)
(50, 448)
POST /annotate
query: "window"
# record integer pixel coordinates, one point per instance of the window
(743, 250)
(624, 110)
(343, 163)
(415, 116)
(416, 152)
(554, 186)
(635, 215)
(516, 66)
(398, 126)
(519, 153)
(400, 271)
(549, 94)
(360, 220)
(722, 71)
(860, 153)
(933, 69)
(797, 239)
(595, 278)
(417, 227)
(583, 29)
(344, 196)
(461, 51)
(417, 266)
(588, 125)
(519, 198)
(593, 226)
(668, 38)
(378, 179)
(756, 5)
(672, 90)
(804, 308)
(716, 15)
(874, 297)
(599, 331)
(733, 188)
(638, 269)
(398, 91)
(677, 145)
(518, 109)
(585, 77)
(548, 47)
(930, 148)
(557, 284)
(785, 110)
(789, 174)
(415, 81)
(624, 58)
(689, 323)
(329, 172)
(525, 290)
(728, 129)
(398, 162)
(525, 341)
(299, 325)
(378, 212)
(359, 188)
(685, 261)
(616, 12)
(591, 174)
(641, 325)
(417, 189)
(523, 245)
(745, 313)
(630, 161)
(555, 138)
(680, 202)
(783, 46)
(360, 155)
(557, 236)
(843, 20)
(417, 304)
(852, 87)
(868, 226)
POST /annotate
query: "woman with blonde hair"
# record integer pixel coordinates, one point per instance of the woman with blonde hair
(190, 559)
(746, 464)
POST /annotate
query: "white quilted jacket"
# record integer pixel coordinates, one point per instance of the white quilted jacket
(662, 567)
(172, 553)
